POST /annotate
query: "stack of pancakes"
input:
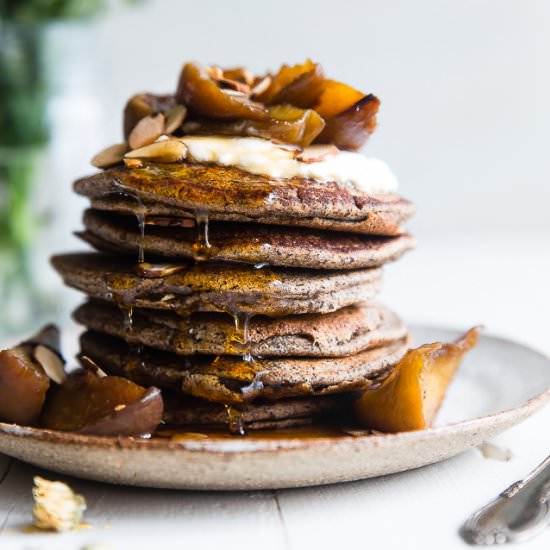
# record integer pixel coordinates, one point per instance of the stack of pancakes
(246, 299)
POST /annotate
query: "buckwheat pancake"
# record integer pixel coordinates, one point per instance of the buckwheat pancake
(349, 330)
(216, 286)
(251, 243)
(232, 380)
(194, 413)
(230, 194)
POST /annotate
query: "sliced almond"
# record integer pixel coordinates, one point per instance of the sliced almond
(174, 118)
(51, 363)
(147, 130)
(90, 365)
(261, 87)
(133, 163)
(214, 72)
(240, 74)
(317, 153)
(234, 85)
(110, 156)
(156, 271)
(230, 91)
(247, 77)
(168, 150)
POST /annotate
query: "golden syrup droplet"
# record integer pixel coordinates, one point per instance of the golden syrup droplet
(202, 246)
(140, 213)
(128, 313)
(141, 222)
(235, 421)
(123, 295)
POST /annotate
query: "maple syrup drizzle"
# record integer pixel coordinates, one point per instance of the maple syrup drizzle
(238, 342)
(202, 246)
(235, 422)
(312, 431)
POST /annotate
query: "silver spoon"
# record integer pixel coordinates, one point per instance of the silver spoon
(517, 514)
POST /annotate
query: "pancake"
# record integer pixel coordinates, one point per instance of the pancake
(230, 194)
(251, 243)
(340, 333)
(209, 287)
(231, 380)
(195, 414)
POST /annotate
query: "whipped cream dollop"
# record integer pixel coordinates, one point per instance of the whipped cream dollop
(263, 157)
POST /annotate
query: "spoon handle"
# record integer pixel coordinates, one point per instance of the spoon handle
(520, 512)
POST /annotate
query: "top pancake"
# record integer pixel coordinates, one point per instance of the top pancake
(231, 194)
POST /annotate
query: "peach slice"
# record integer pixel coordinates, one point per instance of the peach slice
(336, 98)
(201, 93)
(25, 374)
(286, 123)
(412, 394)
(351, 128)
(92, 403)
(286, 76)
(304, 91)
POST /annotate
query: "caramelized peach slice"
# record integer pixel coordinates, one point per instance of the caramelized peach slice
(201, 93)
(286, 123)
(412, 394)
(336, 98)
(351, 128)
(23, 386)
(304, 91)
(25, 373)
(285, 76)
(102, 405)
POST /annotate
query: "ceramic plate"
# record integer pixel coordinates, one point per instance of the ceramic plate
(499, 384)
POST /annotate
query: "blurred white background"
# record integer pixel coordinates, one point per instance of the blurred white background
(465, 88)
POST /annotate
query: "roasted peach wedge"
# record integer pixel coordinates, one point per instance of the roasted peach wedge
(351, 128)
(26, 372)
(336, 98)
(301, 85)
(412, 394)
(90, 402)
(286, 124)
(199, 91)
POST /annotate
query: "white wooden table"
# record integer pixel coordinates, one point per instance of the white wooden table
(450, 281)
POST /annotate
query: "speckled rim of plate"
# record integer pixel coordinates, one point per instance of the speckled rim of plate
(252, 452)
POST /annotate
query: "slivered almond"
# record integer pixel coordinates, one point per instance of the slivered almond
(110, 156)
(133, 163)
(51, 363)
(174, 118)
(247, 77)
(167, 150)
(157, 271)
(214, 72)
(261, 87)
(227, 83)
(317, 153)
(90, 365)
(147, 130)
